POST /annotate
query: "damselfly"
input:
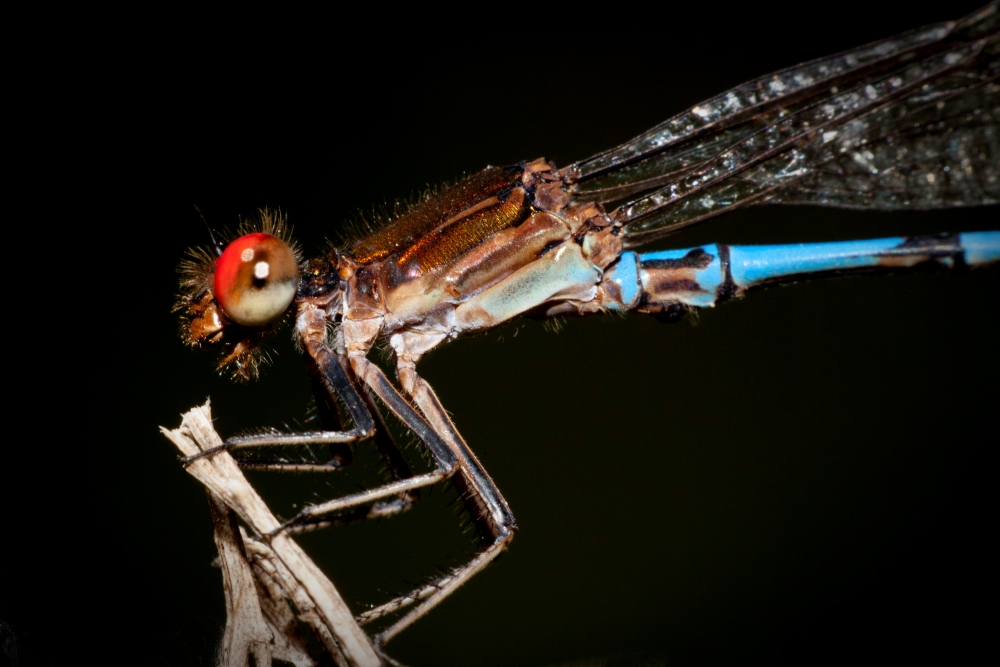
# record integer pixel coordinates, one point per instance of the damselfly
(908, 122)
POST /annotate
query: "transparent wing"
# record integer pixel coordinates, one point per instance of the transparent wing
(907, 122)
(951, 159)
(937, 147)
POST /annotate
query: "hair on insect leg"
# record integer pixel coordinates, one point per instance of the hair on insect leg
(553, 324)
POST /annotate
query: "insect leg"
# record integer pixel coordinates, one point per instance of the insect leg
(313, 332)
(337, 384)
(332, 416)
(443, 457)
(489, 510)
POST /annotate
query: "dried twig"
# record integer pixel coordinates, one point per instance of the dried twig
(259, 615)
(246, 632)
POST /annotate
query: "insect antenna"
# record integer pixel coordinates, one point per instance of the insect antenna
(211, 235)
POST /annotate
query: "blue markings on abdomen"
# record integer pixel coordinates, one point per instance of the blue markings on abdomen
(691, 276)
(750, 265)
(672, 280)
(625, 274)
(980, 247)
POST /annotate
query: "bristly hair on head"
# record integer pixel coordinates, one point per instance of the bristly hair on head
(203, 322)
(198, 268)
(270, 222)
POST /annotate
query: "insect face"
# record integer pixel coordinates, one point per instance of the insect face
(238, 299)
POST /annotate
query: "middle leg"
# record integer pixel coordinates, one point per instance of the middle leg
(312, 328)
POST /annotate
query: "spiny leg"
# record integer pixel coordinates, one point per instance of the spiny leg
(337, 384)
(489, 510)
(395, 464)
(311, 324)
(445, 461)
(330, 414)
(434, 593)
(332, 417)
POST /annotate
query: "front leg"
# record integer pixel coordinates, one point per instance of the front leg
(359, 336)
(337, 385)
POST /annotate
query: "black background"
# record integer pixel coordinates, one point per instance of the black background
(800, 476)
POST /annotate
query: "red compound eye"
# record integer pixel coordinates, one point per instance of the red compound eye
(256, 279)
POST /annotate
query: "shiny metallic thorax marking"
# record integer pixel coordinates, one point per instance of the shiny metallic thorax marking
(485, 250)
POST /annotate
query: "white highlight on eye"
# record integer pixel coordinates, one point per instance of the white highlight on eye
(260, 269)
(247, 255)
